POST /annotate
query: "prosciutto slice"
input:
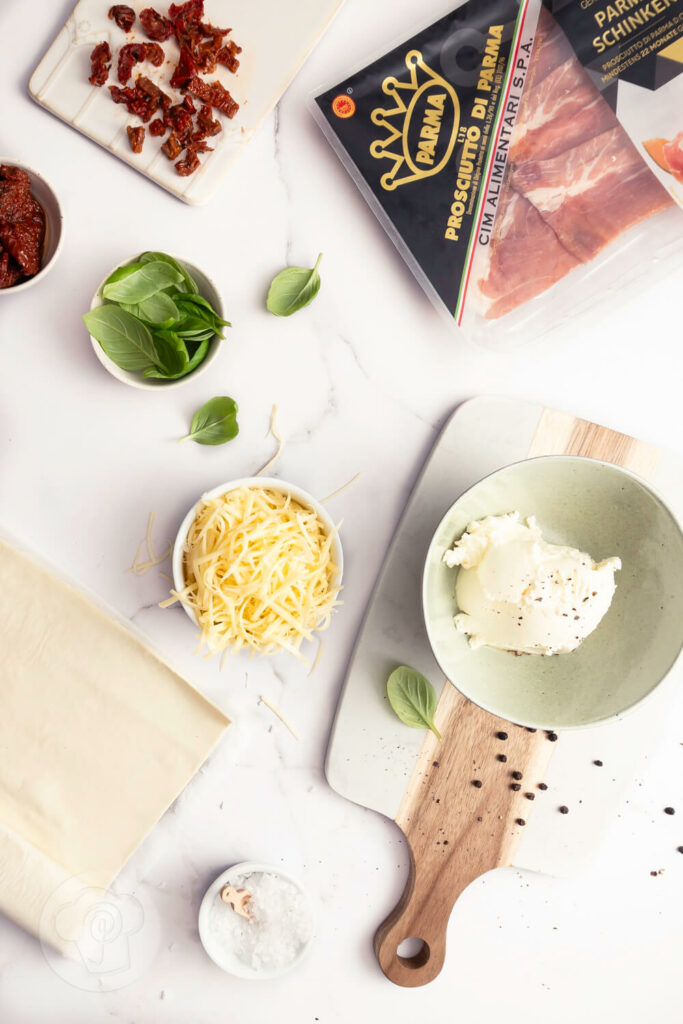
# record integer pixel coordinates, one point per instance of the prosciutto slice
(592, 193)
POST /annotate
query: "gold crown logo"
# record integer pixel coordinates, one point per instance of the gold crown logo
(421, 127)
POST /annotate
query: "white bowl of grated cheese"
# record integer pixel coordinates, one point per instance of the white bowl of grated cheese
(292, 559)
(277, 935)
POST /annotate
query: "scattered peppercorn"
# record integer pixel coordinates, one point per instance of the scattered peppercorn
(516, 775)
(552, 736)
(669, 810)
(435, 764)
(479, 817)
(530, 796)
(516, 786)
(477, 783)
(542, 785)
(680, 849)
(501, 735)
(598, 763)
(564, 809)
(521, 821)
(654, 874)
(502, 758)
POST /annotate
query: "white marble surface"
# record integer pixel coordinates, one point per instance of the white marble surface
(363, 379)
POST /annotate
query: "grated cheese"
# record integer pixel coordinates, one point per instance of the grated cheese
(259, 572)
(279, 714)
(340, 490)
(280, 443)
(139, 568)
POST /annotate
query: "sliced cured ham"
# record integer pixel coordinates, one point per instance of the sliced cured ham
(592, 193)
(551, 48)
(560, 112)
(524, 258)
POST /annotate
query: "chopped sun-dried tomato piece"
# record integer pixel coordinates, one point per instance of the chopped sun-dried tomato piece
(123, 15)
(172, 147)
(10, 272)
(136, 137)
(189, 163)
(136, 101)
(191, 12)
(157, 127)
(100, 62)
(185, 70)
(228, 55)
(200, 146)
(155, 25)
(206, 123)
(154, 54)
(215, 94)
(130, 54)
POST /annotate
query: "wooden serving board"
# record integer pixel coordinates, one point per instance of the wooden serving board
(455, 829)
(275, 38)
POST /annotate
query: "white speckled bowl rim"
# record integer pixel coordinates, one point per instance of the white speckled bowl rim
(235, 966)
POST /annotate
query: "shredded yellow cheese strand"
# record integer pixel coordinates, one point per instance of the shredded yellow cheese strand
(280, 443)
(139, 568)
(279, 714)
(259, 572)
(318, 656)
(340, 490)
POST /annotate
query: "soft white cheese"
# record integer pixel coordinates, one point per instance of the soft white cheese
(517, 592)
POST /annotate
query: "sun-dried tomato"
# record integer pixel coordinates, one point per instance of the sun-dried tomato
(172, 147)
(22, 226)
(136, 137)
(154, 54)
(188, 165)
(227, 55)
(155, 25)
(206, 123)
(215, 94)
(186, 14)
(100, 62)
(130, 54)
(157, 127)
(200, 146)
(123, 15)
(185, 70)
(136, 100)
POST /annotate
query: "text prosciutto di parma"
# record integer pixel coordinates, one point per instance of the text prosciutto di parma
(203, 47)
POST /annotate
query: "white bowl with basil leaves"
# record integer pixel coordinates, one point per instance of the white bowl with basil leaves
(155, 321)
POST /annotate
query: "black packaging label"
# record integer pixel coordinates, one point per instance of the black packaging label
(428, 124)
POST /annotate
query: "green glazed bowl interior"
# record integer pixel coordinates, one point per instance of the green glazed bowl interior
(605, 511)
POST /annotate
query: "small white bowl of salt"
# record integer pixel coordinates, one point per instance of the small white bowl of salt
(255, 921)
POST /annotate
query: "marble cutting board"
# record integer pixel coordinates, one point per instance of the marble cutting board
(275, 39)
(376, 761)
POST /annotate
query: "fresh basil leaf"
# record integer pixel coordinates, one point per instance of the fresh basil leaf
(121, 272)
(171, 354)
(199, 305)
(292, 289)
(188, 281)
(413, 698)
(159, 309)
(145, 281)
(196, 358)
(126, 340)
(215, 422)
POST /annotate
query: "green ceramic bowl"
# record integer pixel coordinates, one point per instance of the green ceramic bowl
(605, 511)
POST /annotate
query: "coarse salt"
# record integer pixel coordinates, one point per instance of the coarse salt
(277, 932)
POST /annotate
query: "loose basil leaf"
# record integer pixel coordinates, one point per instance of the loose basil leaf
(157, 309)
(171, 354)
(196, 358)
(126, 340)
(215, 422)
(292, 289)
(162, 257)
(199, 304)
(121, 272)
(145, 281)
(413, 698)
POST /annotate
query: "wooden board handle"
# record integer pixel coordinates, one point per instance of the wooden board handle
(461, 818)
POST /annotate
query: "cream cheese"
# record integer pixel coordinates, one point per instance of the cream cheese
(517, 592)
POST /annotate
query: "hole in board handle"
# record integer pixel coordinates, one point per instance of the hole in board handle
(413, 952)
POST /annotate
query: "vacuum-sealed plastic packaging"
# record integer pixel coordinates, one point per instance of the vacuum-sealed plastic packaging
(527, 160)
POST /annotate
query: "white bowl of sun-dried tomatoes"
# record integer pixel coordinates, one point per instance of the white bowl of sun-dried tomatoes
(30, 227)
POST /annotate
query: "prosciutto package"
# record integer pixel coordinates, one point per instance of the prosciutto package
(523, 185)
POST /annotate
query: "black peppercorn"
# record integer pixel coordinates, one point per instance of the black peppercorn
(669, 810)
(564, 809)
(530, 796)
(477, 783)
(542, 785)
(598, 763)
(521, 821)
(501, 735)
(516, 775)
(516, 786)
(552, 736)
(502, 758)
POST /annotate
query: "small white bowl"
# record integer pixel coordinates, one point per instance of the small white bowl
(227, 961)
(44, 193)
(297, 493)
(208, 291)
